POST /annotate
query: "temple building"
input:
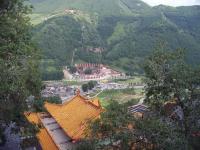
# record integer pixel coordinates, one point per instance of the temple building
(65, 124)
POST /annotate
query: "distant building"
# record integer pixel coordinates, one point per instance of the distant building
(70, 11)
(138, 110)
(64, 124)
(98, 72)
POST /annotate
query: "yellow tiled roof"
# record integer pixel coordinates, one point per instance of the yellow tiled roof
(44, 138)
(74, 115)
(32, 117)
(96, 102)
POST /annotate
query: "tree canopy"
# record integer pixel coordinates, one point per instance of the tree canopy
(20, 76)
(170, 78)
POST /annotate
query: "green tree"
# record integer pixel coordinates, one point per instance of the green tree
(170, 78)
(85, 87)
(115, 124)
(18, 61)
(118, 127)
(161, 134)
(72, 69)
(91, 84)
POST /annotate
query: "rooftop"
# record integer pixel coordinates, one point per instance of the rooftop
(74, 115)
(65, 122)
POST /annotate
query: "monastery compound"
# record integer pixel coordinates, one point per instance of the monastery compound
(98, 72)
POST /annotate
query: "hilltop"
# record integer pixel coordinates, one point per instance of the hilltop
(102, 7)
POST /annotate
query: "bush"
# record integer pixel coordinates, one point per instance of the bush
(85, 145)
(91, 84)
(85, 87)
(72, 69)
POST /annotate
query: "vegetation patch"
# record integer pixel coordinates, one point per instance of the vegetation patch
(120, 96)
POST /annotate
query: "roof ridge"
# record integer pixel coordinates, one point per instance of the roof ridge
(76, 131)
(96, 100)
(54, 104)
(82, 98)
(70, 100)
(90, 103)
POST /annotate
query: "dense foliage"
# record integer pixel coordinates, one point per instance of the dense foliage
(169, 78)
(118, 129)
(50, 70)
(19, 74)
(89, 86)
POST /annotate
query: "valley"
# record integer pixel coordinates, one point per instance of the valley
(127, 31)
(120, 34)
(99, 75)
(120, 90)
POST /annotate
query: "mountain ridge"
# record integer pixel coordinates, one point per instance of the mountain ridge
(126, 37)
(44, 8)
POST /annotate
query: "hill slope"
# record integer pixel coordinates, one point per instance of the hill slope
(59, 37)
(127, 34)
(102, 7)
(45, 8)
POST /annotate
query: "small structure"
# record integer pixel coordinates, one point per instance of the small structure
(138, 110)
(64, 124)
(70, 11)
(96, 49)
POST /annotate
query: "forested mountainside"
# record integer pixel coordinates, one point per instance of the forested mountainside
(100, 7)
(125, 31)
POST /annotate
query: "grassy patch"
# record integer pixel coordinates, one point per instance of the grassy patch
(139, 91)
(133, 80)
(37, 18)
(73, 82)
(121, 96)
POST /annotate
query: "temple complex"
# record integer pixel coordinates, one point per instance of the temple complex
(98, 72)
(65, 124)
